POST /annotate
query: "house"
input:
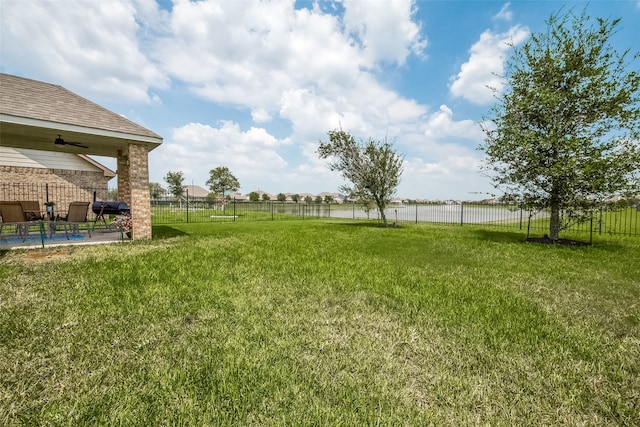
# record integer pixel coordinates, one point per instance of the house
(195, 191)
(45, 117)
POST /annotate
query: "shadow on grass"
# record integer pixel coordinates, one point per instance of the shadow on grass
(610, 244)
(502, 236)
(165, 232)
(360, 223)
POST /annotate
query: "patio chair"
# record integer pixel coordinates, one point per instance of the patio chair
(13, 215)
(76, 215)
(31, 210)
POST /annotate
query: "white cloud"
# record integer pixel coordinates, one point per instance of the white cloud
(250, 53)
(196, 148)
(505, 14)
(298, 64)
(441, 126)
(482, 72)
(82, 44)
(385, 29)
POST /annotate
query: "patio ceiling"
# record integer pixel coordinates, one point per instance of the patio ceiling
(21, 132)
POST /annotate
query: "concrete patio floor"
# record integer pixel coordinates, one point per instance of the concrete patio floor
(35, 240)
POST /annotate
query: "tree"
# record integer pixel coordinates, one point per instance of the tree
(254, 196)
(328, 199)
(282, 197)
(367, 205)
(295, 198)
(220, 180)
(564, 134)
(265, 197)
(308, 200)
(112, 194)
(373, 168)
(155, 190)
(174, 184)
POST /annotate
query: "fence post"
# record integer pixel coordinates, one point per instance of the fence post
(520, 218)
(271, 210)
(600, 223)
(187, 204)
(416, 212)
(234, 209)
(461, 213)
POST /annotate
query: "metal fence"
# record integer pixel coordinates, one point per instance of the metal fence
(60, 195)
(612, 220)
(620, 221)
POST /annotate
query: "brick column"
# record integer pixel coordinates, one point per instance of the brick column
(124, 186)
(139, 197)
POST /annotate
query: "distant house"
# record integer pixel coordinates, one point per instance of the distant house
(27, 174)
(196, 191)
(336, 197)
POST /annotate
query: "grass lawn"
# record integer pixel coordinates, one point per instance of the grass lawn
(322, 323)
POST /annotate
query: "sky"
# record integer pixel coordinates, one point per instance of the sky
(256, 85)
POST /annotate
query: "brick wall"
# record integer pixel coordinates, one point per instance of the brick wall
(59, 185)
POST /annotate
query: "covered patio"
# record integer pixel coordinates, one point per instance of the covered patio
(41, 116)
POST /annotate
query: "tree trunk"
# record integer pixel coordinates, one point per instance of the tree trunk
(554, 226)
(381, 210)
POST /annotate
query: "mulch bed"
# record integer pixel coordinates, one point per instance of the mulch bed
(547, 240)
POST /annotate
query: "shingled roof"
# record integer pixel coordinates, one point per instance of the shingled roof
(33, 99)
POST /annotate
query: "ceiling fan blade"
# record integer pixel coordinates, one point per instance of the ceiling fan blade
(60, 141)
(77, 144)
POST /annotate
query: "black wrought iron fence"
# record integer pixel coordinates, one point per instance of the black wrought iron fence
(624, 221)
(610, 220)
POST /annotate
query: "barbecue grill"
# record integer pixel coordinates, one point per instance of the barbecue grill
(110, 208)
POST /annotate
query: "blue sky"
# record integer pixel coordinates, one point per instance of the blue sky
(255, 86)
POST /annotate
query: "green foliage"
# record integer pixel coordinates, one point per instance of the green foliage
(265, 197)
(308, 199)
(295, 198)
(564, 135)
(220, 180)
(174, 182)
(282, 197)
(373, 168)
(155, 190)
(254, 196)
(318, 199)
(328, 199)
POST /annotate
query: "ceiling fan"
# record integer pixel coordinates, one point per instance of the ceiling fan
(60, 141)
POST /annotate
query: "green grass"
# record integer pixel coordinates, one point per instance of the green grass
(321, 323)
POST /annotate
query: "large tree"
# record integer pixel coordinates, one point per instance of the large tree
(155, 190)
(563, 136)
(174, 182)
(373, 168)
(221, 179)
